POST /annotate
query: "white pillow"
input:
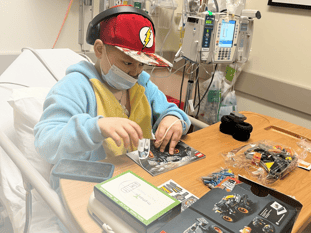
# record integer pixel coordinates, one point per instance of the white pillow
(27, 104)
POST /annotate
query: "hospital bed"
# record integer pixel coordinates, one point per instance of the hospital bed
(31, 203)
(22, 170)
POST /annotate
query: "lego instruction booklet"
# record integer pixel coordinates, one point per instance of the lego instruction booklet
(175, 190)
(156, 162)
(237, 211)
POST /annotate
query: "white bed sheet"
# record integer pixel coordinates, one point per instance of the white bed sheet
(27, 70)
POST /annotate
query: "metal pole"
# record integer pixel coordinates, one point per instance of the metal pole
(189, 91)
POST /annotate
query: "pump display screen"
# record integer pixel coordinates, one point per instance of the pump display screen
(226, 34)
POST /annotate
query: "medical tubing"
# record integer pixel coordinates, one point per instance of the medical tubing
(170, 71)
(203, 3)
(151, 73)
(42, 61)
(207, 87)
(38, 182)
(67, 12)
(161, 53)
(171, 127)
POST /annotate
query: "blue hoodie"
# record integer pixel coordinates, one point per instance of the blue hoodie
(68, 127)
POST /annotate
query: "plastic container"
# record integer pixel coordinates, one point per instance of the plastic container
(166, 11)
(212, 103)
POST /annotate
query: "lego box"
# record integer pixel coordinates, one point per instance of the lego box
(144, 207)
(247, 208)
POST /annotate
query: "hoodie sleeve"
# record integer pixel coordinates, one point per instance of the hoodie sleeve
(68, 128)
(161, 107)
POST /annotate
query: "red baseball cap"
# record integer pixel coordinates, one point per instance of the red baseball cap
(133, 34)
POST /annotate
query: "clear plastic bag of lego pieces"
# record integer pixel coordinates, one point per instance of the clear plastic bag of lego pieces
(266, 160)
(269, 161)
(234, 159)
(223, 178)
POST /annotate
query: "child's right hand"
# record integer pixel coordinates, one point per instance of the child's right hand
(119, 128)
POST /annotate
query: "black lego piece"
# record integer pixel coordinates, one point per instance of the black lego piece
(234, 125)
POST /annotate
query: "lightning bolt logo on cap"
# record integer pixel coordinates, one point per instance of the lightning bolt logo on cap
(146, 37)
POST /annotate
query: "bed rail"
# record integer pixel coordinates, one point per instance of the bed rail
(31, 175)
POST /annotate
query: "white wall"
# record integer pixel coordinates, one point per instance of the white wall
(281, 44)
(278, 74)
(277, 79)
(36, 23)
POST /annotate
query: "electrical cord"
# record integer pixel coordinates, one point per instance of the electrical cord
(196, 85)
(42, 61)
(196, 116)
(207, 87)
(216, 5)
(182, 82)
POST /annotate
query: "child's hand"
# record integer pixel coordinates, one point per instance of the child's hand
(174, 134)
(120, 128)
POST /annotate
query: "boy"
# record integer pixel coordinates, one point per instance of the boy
(102, 110)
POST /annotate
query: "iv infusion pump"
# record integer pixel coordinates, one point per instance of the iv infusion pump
(217, 38)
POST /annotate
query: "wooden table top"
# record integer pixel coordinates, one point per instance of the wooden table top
(211, 142)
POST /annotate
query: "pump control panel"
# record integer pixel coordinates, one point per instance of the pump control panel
(207, 36)
(226, 39)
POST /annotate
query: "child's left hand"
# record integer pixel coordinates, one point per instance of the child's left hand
(174, 134)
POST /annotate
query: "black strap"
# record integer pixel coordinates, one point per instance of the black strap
(116, 11)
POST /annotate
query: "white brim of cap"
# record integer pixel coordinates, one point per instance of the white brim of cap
(150, 59)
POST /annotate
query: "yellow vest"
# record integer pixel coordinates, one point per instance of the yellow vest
(109, 106)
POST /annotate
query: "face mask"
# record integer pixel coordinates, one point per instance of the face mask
(118, 79)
